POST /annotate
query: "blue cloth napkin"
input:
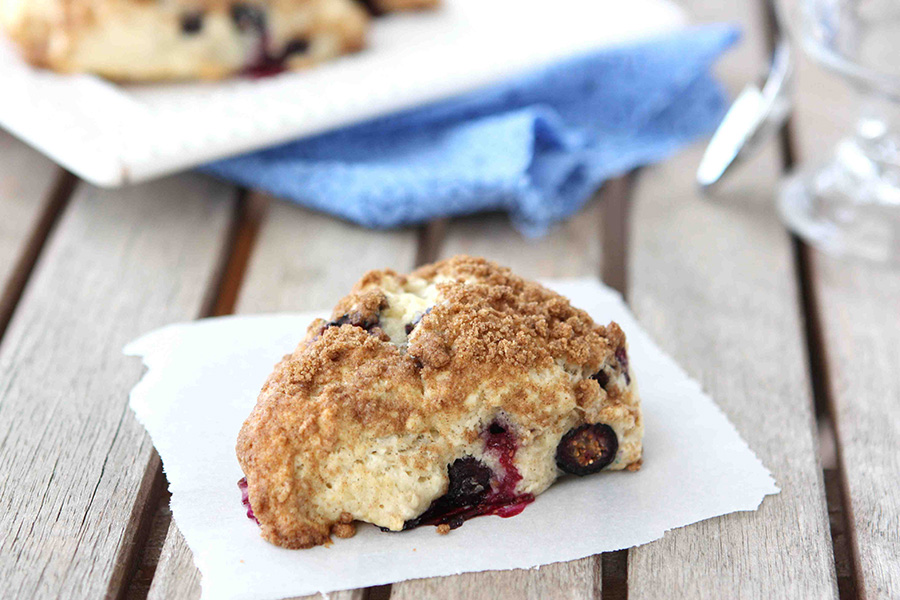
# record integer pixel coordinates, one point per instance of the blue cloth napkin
(537, 147)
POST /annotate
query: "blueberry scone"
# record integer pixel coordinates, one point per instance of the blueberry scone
(141, 40)
(456, 391)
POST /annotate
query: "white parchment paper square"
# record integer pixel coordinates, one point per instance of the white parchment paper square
(204, 377)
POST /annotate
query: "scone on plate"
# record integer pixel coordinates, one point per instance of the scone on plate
(456, 391)
(141, 40)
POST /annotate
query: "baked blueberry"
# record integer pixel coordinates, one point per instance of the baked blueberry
(470, 481)
(247, 17)
(416, 320)
(296, 46)
(587, 449)
(622, 358)
(372, 7)
(356, 319)
(475, 490)
(191, 22)
(601, 377)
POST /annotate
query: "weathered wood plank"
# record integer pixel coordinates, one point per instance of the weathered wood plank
(27, 207)
(302, 261)
(150, 551)
(306, 261)
(714, 283)
(75, 464)
(858, 304)
(176, 576)
(572, 250)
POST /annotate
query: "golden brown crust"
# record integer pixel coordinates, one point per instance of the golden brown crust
(303, 405)
(490, 337)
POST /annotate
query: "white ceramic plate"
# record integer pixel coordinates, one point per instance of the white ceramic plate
(111, 134)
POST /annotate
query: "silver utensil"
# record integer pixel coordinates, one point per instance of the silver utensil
(756, 115)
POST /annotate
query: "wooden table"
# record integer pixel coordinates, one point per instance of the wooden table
(800, 350)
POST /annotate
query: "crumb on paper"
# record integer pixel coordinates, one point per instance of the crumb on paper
(443, 529)
(636, 465)
(344, 528)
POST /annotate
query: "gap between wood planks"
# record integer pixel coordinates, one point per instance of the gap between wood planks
(616, 197)
(54, 205)
(153, 514)
(836, 493)
(150, 514)
(139, 564)
(249, 213)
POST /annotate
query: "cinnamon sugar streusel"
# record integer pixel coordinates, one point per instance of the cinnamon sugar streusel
(430, 398)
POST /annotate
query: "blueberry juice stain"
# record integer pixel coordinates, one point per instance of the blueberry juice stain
(475, 489)
(245, 499)
(501, 442)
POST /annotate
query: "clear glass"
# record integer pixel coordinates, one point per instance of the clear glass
(851, 204)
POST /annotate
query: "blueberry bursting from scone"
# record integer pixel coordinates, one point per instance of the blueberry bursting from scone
(456, 391)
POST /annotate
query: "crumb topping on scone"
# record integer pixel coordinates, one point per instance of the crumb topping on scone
(452, 387)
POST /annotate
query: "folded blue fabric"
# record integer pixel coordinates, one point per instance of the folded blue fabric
(538, 146)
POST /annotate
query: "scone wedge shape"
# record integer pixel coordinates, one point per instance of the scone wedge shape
(456, 391)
